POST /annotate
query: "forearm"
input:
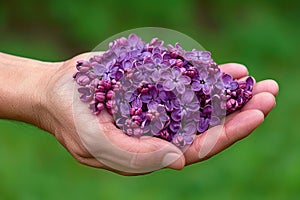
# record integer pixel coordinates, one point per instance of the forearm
(22, 82)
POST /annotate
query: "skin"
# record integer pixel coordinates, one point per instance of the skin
(37, 93)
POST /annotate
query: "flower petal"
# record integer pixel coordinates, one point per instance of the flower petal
(157, 58)
(176, 115)
(190, 128)
(203, 74)
(174, 126)
(203, 125)
(187, 96)
(193, 106)
(166, 74)
(185, 79)
(234, 85)
(137, 103)
(214, 121)
(99, 69)
(226, 78)
(163, 96)
(145, 97)
(155, 76)
(124, 108)
(180, 88)
(168, 85)
(152, 105)
(196, 86)
(188, 139)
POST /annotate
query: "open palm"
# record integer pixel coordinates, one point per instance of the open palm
(95, 141)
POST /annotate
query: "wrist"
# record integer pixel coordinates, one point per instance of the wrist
(23, 86)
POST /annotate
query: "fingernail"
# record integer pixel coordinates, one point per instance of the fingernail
(173, 161)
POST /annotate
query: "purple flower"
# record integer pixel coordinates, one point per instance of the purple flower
(156, 65)
(195, 55)
(175, 80)
(135, 42)
(188, 128)
(83, 66)
(141, 74)
(118, 44)
(83, 80)
(185, 134)
(131, 126)
(157, 91)
(122, 100)
(188, 103)
(169, 99)
(182, 140)
(165, 135)
(176, 51)
(105, 72)
(203, 82)
(135, 99)
(151, 98)
(127, 64)
(229, 83)
(86, 94)
(188, 106)
(155, 42)
(157, 119)
(205, 117)
(249, 84)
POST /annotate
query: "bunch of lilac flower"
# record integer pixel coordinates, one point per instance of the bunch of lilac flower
(153, 90)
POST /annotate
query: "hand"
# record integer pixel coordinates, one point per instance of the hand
(51, 102)
(138, 156)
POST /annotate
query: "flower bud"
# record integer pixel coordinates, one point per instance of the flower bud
(83, 80)
(100, 96)
(110, 94)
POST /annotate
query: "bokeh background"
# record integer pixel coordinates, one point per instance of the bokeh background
(264, 36)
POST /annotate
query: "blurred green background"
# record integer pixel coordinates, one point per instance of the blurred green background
(264, 36)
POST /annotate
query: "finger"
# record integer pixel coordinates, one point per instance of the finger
(234, 69)
(270, 86)
(219, 138)
(263, 101)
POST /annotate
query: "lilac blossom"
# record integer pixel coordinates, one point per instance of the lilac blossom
(205, 117)
(175, 80)
(176, 50)
(135, 99)
(203, 82)
(182, 140)
(156, 65)
(165, 92)
(157, 118)
(169, 99)
(195, 55)
(229, 83)
(151, 98)
(188, 103)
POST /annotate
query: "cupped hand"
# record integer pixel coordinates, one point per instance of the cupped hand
(97, 142)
